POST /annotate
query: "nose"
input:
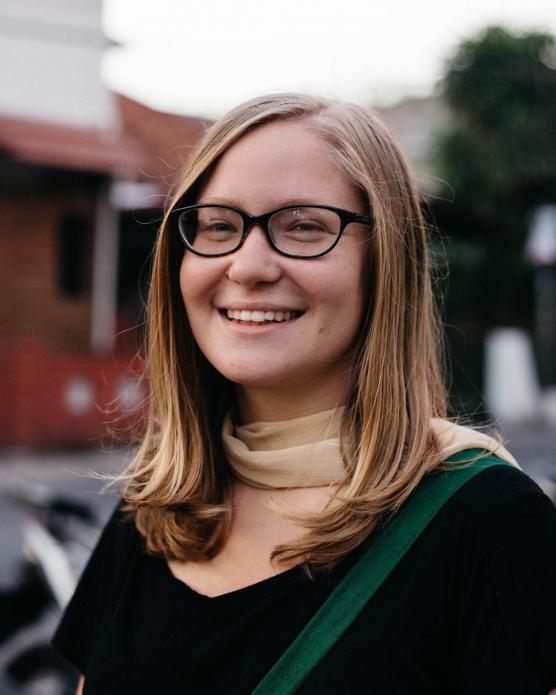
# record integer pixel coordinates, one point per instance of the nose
(255, 262)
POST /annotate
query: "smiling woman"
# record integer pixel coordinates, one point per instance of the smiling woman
(285, 526)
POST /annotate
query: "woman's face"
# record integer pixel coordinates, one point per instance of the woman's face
(275, 165)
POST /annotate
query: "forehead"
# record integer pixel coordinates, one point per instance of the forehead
(277, 164)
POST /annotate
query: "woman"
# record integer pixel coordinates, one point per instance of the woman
(297, 403)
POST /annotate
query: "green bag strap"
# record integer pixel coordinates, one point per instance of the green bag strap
(362, 581)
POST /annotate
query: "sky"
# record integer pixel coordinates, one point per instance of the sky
(201, 57)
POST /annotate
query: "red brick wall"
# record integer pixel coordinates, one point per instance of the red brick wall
(54, 391)
(37, 407)
(31, 302)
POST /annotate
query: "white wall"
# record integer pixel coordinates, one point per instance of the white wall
(50, 53)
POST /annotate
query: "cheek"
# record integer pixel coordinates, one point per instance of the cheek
(196, 280)
(187, 286)
(186, 276)
(341, 293)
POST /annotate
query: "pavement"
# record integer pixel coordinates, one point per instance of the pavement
(534, 447)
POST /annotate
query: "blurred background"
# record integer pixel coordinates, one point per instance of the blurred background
(100, 105)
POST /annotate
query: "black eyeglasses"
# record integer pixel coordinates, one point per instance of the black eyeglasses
(297, 231)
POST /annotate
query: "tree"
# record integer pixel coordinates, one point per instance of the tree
(500, 155)
(498, 159)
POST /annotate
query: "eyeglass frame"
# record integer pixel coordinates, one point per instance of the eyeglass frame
(346, 217)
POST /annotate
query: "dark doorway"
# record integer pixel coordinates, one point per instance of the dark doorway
(138, 232)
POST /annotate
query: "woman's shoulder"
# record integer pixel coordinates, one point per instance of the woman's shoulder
(118, 543)
(119, 534)
(101, 584)
(502, 488)
(113, 555)
(502, 516)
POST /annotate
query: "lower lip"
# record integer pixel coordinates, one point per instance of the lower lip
(253, 328)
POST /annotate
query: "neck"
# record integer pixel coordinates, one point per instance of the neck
(273, 404)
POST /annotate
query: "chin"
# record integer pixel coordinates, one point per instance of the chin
(250, 376)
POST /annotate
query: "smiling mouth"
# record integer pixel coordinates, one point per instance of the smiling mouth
(244, 316)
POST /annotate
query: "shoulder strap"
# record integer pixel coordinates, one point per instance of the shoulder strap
(362, 581)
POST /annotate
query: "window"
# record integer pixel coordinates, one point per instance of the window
(73, 255)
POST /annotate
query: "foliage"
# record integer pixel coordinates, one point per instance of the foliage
(498, 158)
(500, 155)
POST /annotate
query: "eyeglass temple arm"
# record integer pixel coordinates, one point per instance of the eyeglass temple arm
(363, 219)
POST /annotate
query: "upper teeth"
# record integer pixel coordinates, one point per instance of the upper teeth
(259, 316)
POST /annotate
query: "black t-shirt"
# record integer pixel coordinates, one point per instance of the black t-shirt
(470, 610)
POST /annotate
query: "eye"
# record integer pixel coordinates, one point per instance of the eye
(216, 226)
(307, 226)
(306, 229)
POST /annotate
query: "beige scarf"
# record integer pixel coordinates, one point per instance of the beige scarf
(305, 451)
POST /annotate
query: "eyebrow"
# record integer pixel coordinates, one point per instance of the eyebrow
(277, 204)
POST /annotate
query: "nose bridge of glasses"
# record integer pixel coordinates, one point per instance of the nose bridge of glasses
(251, 221)
(254, 222)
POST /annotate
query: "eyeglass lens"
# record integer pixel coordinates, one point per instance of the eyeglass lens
(302, 231)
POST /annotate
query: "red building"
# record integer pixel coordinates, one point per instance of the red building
(79, 210)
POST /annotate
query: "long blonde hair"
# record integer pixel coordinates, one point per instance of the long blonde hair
(178, 484)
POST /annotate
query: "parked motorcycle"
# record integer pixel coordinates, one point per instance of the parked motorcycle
(59, 534)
